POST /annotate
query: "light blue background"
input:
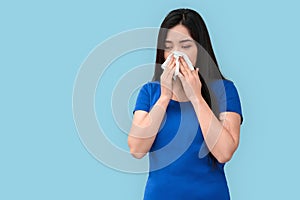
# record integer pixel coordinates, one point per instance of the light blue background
(43, 44)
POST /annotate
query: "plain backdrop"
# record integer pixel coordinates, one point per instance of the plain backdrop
(43, 44)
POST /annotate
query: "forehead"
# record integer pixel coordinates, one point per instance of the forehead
(178, 33)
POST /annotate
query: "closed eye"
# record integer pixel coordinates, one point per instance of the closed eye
(186, 46)
(168, 47)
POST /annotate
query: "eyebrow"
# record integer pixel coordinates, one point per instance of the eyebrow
(181, 41)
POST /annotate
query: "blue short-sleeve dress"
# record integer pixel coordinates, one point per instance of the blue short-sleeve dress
(179, 164)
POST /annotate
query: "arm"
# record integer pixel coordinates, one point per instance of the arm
(221, 135)
(145, 127)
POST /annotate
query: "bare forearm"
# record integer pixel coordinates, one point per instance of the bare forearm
(219, 141)
(143, 134)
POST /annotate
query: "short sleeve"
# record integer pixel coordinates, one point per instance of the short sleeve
(143, 99)
(228, 97)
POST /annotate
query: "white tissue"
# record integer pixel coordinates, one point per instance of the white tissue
(176, 55)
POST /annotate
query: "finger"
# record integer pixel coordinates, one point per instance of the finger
(185, 66)
(181, 77)
(196, 73)
(182, 68)
(170, 73)
(171, 63)
(169, 66)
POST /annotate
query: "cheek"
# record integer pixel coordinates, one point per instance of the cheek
(166, 54)
(193, 56)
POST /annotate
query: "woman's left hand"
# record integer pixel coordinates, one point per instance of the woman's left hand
(190, 81)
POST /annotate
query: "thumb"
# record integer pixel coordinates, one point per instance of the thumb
(180, 75)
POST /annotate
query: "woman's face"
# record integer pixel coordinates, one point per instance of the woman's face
(179, 39)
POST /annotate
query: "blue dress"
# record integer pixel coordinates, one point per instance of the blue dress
(180, 167)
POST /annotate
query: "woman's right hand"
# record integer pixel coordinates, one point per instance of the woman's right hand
(166, 80)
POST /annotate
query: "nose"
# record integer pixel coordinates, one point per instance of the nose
(175, 48)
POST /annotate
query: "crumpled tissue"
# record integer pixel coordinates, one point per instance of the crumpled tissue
(176, 55)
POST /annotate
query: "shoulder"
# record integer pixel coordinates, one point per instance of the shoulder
(221, 82)
(147, 96)
(151, 86)
(227, 96)
(222, 86)
(150, 90)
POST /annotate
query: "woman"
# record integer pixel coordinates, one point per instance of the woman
(190, 123)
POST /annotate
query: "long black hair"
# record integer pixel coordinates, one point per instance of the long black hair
(206, 61)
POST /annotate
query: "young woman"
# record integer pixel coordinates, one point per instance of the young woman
(190, 123)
